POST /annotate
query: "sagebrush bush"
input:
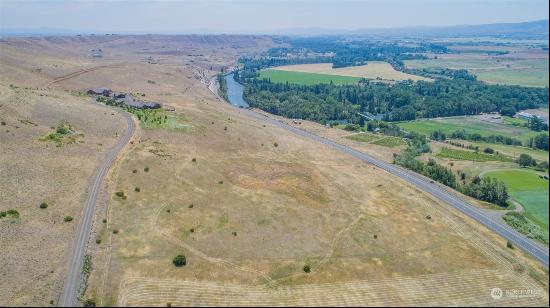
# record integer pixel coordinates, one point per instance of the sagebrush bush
(179, 261)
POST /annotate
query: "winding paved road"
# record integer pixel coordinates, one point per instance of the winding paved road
(71, 287)
(497, 225)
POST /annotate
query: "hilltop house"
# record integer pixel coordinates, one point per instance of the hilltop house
(100, 91)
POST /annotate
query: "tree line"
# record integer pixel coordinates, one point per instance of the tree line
(401, 101)
(485, 189)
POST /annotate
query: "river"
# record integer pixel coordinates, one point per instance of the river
(235, 92)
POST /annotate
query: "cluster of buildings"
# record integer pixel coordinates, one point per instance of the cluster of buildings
(123, 98)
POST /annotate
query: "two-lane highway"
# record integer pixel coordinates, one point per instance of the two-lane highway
(71, 287)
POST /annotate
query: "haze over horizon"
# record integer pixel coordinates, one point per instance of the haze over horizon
(255, 17)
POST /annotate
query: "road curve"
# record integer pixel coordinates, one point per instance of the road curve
(71, 286)
(528, 245)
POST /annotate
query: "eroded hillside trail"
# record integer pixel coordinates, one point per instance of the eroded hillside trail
(76, 74)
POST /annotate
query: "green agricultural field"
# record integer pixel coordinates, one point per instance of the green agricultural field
(515, 121)
(386, 141)
(510, 150)
(527, 188)
(306, 78)
(525, 72)
(470, 124)
(472, 156)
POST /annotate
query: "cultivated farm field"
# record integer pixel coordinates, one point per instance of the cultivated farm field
(500, 70)
(471, 125)
(526, 187)
(324, 73)
(305, 78)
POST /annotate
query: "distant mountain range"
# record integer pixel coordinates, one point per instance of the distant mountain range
(526, 30)
(531, 29)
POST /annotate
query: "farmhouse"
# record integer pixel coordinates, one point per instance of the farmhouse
(524, 115)
(131, 102)
(100, 91)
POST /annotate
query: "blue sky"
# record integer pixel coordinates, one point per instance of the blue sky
(212, 16)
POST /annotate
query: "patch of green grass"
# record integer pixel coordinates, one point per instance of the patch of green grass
(470, 124)
(527, 188)
(511, 150)
(63, 134)
(515, 121)
(157, 118)
(390, 141)
(387, 141)
(306, 78)
(472, 156)
(364, 137)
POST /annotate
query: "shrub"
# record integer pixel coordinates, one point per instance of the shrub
(220, 182)
(307, 268)
(68, 219)
(43, 205)
(134, 171)
(523, 225)
(3, 214)
(119, 194)
(489, 150)
(525, 160)
(115, 231)
(509, 245)
(193, 159)
(12, 213)
(146, 169)
(352, 127)
(179, 261)
(89, 303)
(104, 220)
(275, 144)
(98, 241)
(137, 189)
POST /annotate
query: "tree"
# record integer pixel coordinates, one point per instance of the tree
(540, 142)
(438, 135)
(179, 261)
(525, 160)
(536, 124)
(509, 111)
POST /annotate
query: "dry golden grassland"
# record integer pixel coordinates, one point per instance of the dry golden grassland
(373, 70)
(41, 85)
(33, 248)
(250, 215)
